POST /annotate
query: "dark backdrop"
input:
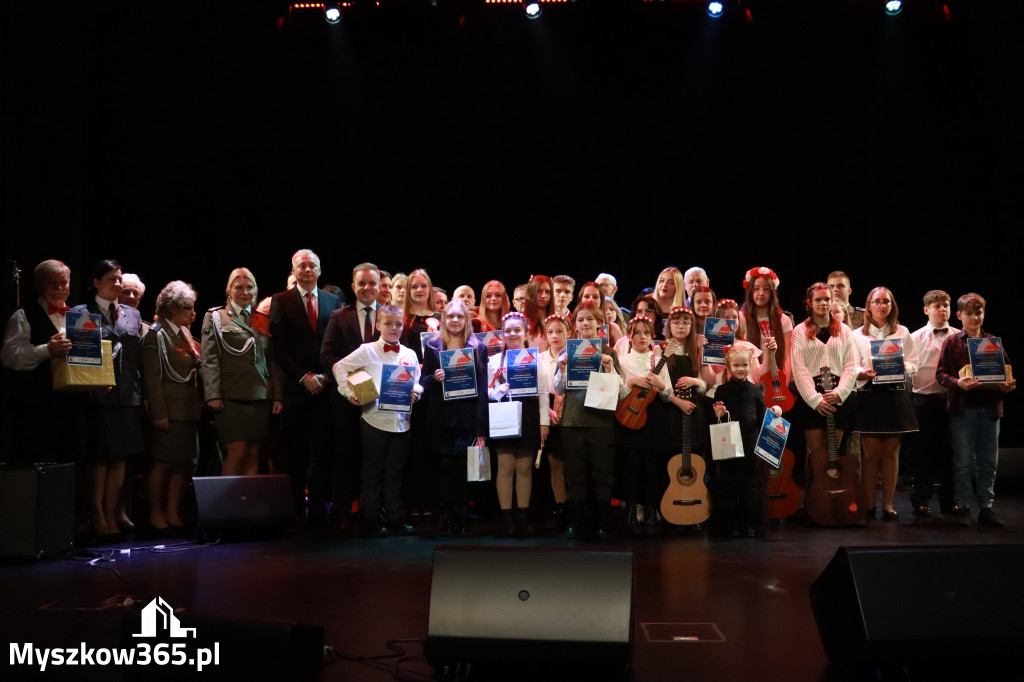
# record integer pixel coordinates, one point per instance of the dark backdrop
(188, 138)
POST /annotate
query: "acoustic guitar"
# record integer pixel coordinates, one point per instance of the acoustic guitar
(781, 492)
(632, 410)
(834, 487)
(775, 383)
(685, 502)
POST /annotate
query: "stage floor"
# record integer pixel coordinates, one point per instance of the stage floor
(749, 594)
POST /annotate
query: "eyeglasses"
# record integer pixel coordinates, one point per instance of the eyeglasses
(881, 304)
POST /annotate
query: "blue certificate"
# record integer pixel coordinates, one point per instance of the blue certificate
(521, 366)
(584, 357)
(720, 333)
(83, 330)
(987, 362)
(772, 439)
(887, 361)
(459, 373)
(491, 341)
(396, 383)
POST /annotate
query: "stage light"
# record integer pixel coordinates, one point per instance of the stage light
(715, 9)
(532, 10)
(332, 15)
(893, 7)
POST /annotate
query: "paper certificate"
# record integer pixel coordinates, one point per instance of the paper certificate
(584, 357)
(521, 368)
(396, 384)
(459, 373)
(887, 361)
(772, 439)
(491, 341)
(987, 362)
(720, 333)
(83, 330)
(426, 337)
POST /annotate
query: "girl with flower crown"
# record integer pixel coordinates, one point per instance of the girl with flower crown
(762, 321)
(556, 331)
(515, 455)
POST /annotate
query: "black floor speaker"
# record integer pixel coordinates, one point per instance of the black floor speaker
(527, 607)
(37, 505)
(242, 502)
(923, 611)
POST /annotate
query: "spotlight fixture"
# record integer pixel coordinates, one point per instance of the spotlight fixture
(893, 7)
(332, 15)
(532, 8)
(715, 9)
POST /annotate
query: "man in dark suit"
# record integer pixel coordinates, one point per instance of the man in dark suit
(298, 320)
(349, 328)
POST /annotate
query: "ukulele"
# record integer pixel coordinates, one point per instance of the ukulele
(685, 502)
(775, 384)
(834, 487)
(632, 410)
(781, 492)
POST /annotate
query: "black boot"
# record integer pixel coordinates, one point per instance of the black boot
(603, 513)
(574, 528)
(635, 520)
(525, 527)
(652, 522)
(560, 516)
(508, 523)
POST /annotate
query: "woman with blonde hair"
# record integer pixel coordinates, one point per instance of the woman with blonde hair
(455, 424)
(237, 369)
(669, 290)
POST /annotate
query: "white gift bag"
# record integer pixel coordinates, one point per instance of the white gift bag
(726, 442)
(478, 463)
(506, 419)
(602, 391)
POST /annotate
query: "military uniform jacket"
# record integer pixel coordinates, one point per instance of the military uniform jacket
(237, 358)
(171, 371)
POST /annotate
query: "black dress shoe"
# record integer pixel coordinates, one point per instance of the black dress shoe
(988, 517)
(401, 528)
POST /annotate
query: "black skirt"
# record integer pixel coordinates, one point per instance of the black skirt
(886, 408)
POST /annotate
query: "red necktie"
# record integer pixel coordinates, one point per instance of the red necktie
(388, 348)
(311, 309)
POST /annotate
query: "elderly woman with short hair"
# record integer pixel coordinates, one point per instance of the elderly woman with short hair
(170, 368)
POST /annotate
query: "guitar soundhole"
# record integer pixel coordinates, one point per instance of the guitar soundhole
(774, 473)
(686, 476)
(833, 471)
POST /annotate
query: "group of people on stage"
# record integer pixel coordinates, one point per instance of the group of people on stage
(305, 356)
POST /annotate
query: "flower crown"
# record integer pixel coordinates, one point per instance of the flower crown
(512, 315)
(639, 318)
(553, 316)
(754, 273)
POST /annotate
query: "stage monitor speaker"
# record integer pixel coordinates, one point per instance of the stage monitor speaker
(925, 610)
(232, 502)
(37, 504)
(531, 606)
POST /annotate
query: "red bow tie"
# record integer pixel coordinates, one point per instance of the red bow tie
(56, 309)
(389, 348)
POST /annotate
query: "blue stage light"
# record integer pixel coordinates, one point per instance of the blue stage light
(715, 9)
(893, 7)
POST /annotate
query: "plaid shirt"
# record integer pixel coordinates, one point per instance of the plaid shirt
(952, 357)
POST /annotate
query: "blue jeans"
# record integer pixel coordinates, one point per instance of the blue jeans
(975, 443)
